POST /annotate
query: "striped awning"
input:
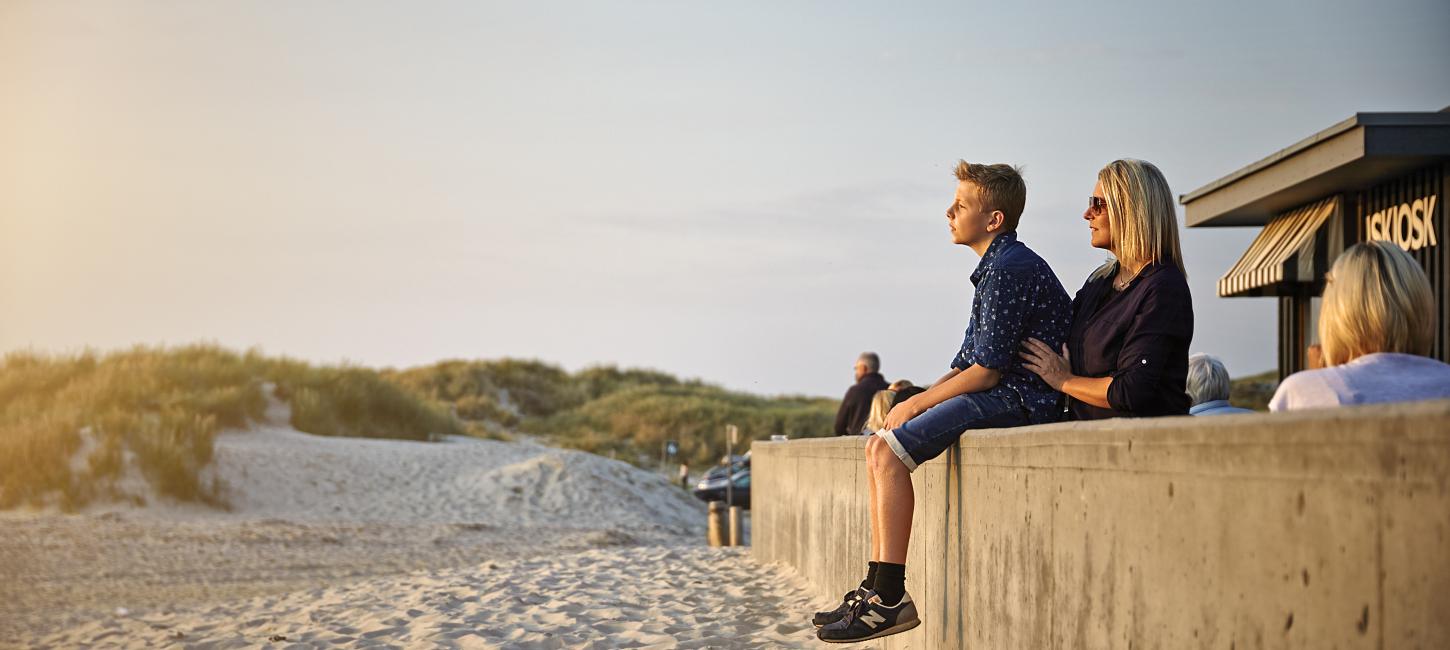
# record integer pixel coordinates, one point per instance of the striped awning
(1294, 248)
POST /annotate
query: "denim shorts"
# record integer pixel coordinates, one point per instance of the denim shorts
(926, 436)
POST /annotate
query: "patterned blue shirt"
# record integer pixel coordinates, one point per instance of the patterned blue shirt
(1017, 297)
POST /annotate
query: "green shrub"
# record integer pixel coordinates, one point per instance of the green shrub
(524, 388)
(1254, 391)
(637, 421)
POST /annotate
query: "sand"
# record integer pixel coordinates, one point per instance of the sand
(663, 597)
(361, 542)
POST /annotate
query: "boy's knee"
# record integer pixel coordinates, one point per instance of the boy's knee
(882, 457)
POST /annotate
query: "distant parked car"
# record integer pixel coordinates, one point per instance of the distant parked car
(712, 487)
(737, 464)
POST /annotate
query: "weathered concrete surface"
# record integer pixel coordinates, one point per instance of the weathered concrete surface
(1326, 529)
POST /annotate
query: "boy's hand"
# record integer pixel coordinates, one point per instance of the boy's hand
(901, 413)
(1054, 369)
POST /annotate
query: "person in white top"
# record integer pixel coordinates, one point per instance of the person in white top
(1376, 328)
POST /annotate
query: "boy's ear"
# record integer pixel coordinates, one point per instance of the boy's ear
(995, 221)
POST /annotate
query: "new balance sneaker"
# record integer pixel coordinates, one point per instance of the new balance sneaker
(847, 602)
(871, 619)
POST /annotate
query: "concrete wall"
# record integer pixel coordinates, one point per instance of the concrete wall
(1326, 529)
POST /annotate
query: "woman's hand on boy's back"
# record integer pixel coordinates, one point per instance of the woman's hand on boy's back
(1054, 369)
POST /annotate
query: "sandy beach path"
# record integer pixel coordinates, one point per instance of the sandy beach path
(626, 597)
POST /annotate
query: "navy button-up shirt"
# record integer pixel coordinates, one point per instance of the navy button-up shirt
(1017, 297)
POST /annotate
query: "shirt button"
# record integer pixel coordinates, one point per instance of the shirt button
(1144, 362)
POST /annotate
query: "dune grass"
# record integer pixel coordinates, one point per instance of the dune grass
(68, 423)
(72, 426)
(494, 393)
(624, 413)
(633, 423)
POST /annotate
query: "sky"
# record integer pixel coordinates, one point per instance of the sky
(746, 193)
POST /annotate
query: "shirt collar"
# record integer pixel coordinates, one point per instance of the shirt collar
(994, 250)
(1209, 405)
(872, 375)
(1151, 268)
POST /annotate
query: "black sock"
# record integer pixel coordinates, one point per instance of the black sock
(870, 581)
(890, 582)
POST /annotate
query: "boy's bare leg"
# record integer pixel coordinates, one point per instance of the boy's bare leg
(894, 502)
(872, 505)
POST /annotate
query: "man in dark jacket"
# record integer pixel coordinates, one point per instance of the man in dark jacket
(856, 406)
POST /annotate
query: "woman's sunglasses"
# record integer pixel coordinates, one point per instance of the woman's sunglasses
(1096, 204)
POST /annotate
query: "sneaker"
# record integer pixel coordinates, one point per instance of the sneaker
(871, 619)
(847, 602)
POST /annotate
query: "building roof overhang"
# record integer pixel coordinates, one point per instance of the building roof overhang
(1351, 155)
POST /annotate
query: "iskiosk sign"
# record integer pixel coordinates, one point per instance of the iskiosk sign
(1409, 225)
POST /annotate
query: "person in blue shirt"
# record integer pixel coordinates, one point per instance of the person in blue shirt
(1208, 387)
(1017, 297)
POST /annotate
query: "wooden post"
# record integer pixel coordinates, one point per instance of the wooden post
(715, 532)
(737, 534)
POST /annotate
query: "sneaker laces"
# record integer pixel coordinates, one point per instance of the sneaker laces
(855, 609)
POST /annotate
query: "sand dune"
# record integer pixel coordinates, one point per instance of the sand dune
(281, 473)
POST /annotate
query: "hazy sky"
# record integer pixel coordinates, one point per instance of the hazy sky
(749, 193)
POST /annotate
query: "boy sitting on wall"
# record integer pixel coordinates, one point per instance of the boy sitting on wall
(1017, 297)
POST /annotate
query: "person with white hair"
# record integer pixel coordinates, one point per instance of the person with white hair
(1208, 387)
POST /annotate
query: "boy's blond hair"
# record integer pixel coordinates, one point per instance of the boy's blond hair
(1000, 187)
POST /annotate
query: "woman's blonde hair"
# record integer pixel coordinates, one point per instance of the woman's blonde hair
(880, 406)
(1140, 214)
(1376, 299)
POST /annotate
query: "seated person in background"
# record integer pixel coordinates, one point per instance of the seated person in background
(880, 406)
(1208, 387)
(856, 405)
(1376, 327)
(905, 394)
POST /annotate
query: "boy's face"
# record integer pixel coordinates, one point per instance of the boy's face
(968, 217)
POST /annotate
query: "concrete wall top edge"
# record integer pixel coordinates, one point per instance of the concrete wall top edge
(1405, 442)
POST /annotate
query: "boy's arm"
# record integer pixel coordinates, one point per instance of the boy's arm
(974, 379)
(950, 373)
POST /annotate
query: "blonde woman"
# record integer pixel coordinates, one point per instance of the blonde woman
(880, 406)
(1376, 327)
(1132, 322)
